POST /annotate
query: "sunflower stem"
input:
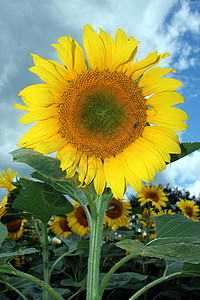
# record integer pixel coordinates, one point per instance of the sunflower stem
(151, 284)
(11, 270)
(45, 258)
(96, 230)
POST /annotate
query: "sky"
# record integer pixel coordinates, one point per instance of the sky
(171, 26)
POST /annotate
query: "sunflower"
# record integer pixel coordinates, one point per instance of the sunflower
(15, 229)
(95, 113)
(189, 209)
(6, 180)
(144, 215)
(118, 215)
(152, 194)
(60, 227)
(19, 260)
(77, 220)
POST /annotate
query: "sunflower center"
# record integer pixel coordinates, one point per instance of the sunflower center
(13, 226)
(189, 211)
(153, 196)
(116, 212)
(81, 217)
(102, 112)
(64, 224)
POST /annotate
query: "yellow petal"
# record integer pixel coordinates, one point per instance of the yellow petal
(99, 180)
(124, 52)
(141, 66)
(38, 114)
(38, 95)
(82, 169)
(94, 48)
(165, 99)
(109, 46)
(153, 75)
(71, 171)
(115, 176)
(162, 119)
(161, 85)
(39, 132)
(130, 172)
(71, 54)
(67, 156)
(49, 78)
(163, 140)
(91, 170)
(47, 147)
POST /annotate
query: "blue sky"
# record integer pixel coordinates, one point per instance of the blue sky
(167, 26)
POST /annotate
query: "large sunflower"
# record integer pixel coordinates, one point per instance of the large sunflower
(95, 113)
(77, 220)
(189, 209)
(118, 215)
(60, 227)
(152, 194)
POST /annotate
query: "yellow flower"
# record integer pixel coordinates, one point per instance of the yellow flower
(118, 216)
(152, 194)
(145, 216)
(77, 220)
(19, 260)
(15, 229)
(60, 227)
(166, 212)
(189, 209)
(6, 180)
(95, 114)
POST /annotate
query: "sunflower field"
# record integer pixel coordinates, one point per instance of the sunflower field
(69, 231)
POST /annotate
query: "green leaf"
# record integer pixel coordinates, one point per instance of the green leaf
(49, 168)
(120, 279)
(191, 269)
(177, 238)
(7, 256)
(3, 233)
(186, 148)
(41, 200)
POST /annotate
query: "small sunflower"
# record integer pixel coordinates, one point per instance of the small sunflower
(15, 229)
(95, 113)
(77, 220)
(60, 227)
(19, 260)
(144, 215)
(118, 216)
(189, 209)
(152, 194)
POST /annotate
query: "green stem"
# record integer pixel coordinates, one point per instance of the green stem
(78, 292)
(45, 258)
(96, 230)
(57, 261)
(109, 274)
(13, 271)
(14, 289)
(151, 284)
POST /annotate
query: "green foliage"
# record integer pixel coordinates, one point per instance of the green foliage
(41, 200)
(48, 170)
(177, 238)
(3, 233)
(186, 148)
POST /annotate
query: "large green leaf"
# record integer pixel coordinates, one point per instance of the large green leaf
(120, 279)
(7, 256)
(3, 233)
(177, 238)
(186, 148)
(49, 170)
(41, 200)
